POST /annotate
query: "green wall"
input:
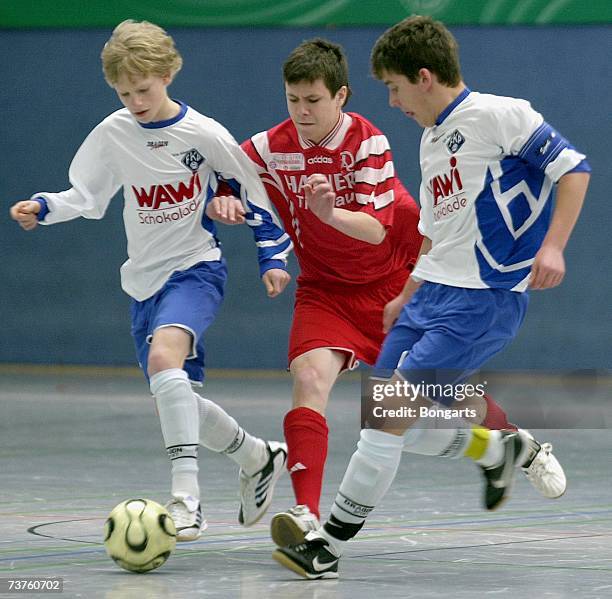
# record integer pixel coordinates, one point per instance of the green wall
(246, 13)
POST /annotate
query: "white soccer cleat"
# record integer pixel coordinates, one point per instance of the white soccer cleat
(291, 527)
(186, 512)
(256, 490)
(545, 473)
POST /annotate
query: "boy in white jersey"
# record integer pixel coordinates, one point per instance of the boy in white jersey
(167, 157)
(488, 168)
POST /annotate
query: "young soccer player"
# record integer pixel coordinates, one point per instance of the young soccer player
(356, 240)
(480, 253)
(168, 158)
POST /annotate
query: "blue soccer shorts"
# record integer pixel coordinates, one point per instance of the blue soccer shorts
(450, 332)
(190, 300)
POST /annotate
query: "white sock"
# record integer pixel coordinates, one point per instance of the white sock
(179, 418)
(368, 477)
(222, 434)
(449, 443)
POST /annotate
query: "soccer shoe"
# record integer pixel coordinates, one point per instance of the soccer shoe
(186, 512)
(256, 490)
(499, 478)
(543, 470)
(291, 527)
(311, 559)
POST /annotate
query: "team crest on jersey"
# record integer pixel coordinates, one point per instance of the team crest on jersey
(347, 160)
(454, 141)
(287, 162)
(192, 160)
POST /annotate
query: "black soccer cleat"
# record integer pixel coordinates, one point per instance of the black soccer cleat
(311, 559)
(498, 479)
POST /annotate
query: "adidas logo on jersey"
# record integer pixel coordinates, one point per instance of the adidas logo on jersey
(320, 160)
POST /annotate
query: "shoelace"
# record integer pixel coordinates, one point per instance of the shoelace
(180, 514)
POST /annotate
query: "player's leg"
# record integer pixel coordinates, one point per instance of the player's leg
(261, 462)
(326, 338)
(177, 318)
(374, 464)
(370, 473)
(314, 374)
(178, 415)
(480, 337)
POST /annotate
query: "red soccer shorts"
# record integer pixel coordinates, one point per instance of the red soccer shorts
(345, 318)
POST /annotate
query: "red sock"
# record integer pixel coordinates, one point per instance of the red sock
(496, 418)
(306, 436)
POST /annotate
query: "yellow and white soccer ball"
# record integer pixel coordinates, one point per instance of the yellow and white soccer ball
(139, 535)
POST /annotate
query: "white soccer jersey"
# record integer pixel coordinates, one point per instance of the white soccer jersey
(488, 169)
(168, 171)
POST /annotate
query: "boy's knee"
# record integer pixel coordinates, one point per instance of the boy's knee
(309, 388)
(159, 359)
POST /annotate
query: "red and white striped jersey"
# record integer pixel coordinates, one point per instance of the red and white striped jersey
(357, 160)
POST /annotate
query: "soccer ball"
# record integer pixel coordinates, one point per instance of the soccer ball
(139, 535)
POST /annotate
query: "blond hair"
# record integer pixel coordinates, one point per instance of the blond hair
(139, 49)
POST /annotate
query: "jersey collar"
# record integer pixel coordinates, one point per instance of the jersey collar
(462, 96)
(334, 138)
(167, 122)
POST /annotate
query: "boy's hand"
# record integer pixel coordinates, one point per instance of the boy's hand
(548, 268)
(227, 210)
(25, 212)
(320, 197)
(275, 280)
(392, 311)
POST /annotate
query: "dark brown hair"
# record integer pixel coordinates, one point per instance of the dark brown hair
(318, 59)
(417, 43)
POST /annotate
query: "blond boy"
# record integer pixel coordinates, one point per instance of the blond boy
(168, 159)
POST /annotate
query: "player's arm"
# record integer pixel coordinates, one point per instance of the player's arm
(321, 198)
(539, 144)
(394, 307)
(548, 267)
(93, 186)
(273, 243)
(225, 207)
(371, 215)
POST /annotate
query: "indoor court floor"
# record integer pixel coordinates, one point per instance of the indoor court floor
(75, 443)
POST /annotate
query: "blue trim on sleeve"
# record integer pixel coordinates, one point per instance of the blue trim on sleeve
(207, 223)
(44, 208)
(267, 265)
(544, 145)
(264, 229)
(581, 167)
(167, 122)
(462, 96)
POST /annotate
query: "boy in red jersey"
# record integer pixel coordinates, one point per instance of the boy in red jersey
(355, 253)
